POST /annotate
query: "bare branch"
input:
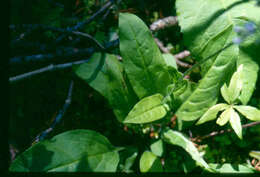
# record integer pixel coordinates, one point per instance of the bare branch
(164, 23)
(51, 67)
(58, 118)
(166, 50)
(215, 133)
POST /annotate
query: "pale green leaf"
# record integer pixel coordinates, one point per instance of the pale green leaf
(255, 154)
(157, 148)
(236, 123)
(130, 161)
(147, 110)
(106, 75)
(170, 60)
(72, 151)
(225, 116)
(231, 168)
(178, 139)
(149, 162)
(142, 59)
(249, 112)
(211, 114)
(235, 85)
(225, 93)
(207, 29)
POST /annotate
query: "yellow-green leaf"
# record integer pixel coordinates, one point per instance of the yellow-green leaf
(149, 162)
(235, 123)
(249, 112)
(224, 116)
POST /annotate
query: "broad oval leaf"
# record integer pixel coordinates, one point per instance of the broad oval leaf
(249, 112)
(72, 151)
(225, 116)
(211, 114)
(207, 29)
(231, 168)
(236, 123)
(235, 85)
(147, 110)
(178, 139)
(225, 93)
(106, 75)
(149, 162)
(142, 59)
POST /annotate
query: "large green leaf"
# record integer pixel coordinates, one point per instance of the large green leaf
(147, 110)
(149, 162)
(231, 168)
(178, 139)
(157, 148)
(106, 75)
(72, 151)
(207, 29)
(142, 59)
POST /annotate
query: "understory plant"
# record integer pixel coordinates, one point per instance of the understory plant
(147, 92)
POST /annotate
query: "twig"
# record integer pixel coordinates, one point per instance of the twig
(182, 54)
(51, 67)
(179, 56)
(89, 37)
(225, 131)
(164, 23)
(42, 135)
(80, 25)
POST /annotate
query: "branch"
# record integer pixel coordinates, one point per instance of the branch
(215, 133)
(42, 135)
(177, 56)
(66, 52)
(163, 23)
(51, 67)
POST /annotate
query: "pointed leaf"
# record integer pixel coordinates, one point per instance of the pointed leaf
(236, 83)
(72, 151)
(149, 162)
(231, 168)
(211, 114)
(249, 112)
(130, 161)
(207, 29)
(176, 138)
(255, 154)
(105, 74)
(142, 59)
(147, 110)
(225, 93)
(224, 116)
(157, 148)
(236, 123)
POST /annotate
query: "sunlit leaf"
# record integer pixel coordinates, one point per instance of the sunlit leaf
(211, 114)
(249, 112)
(149, 162)
(236, 84)
(236, 123)
(224, 116)
(231, 168)
(157, 148)
(225, 93)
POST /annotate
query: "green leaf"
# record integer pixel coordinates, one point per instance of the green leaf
(225, 93)
(142, 59)
(72, 151)
(231, 168)
(235, 85)
(147, 110)
(170, 60)
(106, 75)
(255, 154)
(236, 123)
(130, 161)
(207, 29)
(225, 116)
(178, 139)
(157, 148)
(211, 114)
(149, 162)
(249, 112)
